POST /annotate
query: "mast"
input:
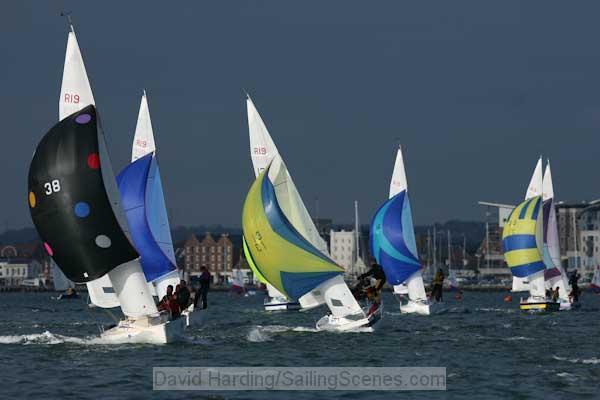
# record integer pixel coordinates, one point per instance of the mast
(487, 238)
(464, 252)
(575, 238)
(449, 250)
(434, 247)
(357, 234)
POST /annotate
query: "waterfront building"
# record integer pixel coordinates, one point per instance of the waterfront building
(215, 255)
(14, 271)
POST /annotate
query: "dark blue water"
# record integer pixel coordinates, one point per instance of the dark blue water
(490, 349)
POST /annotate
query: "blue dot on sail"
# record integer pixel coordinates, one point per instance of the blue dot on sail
(82, 209)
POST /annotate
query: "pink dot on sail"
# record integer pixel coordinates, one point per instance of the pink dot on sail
(48, 249)
(83, 119)
(93, 161)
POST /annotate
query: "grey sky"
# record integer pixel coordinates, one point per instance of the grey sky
(474, 91)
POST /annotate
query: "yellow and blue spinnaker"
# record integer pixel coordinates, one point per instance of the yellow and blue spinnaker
(522, 239)
(275, 250)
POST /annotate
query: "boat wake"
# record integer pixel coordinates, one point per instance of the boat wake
(40, 338)
(592, 360)
(264, 333)
(49, 338)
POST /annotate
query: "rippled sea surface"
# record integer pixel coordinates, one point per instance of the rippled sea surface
(489, 348)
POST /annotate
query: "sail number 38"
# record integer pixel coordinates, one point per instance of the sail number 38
(52, 187)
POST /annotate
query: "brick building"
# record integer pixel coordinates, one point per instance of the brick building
(216, 255)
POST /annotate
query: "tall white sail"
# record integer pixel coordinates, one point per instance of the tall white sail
(414, 283)
(551, 243)
(75, 91)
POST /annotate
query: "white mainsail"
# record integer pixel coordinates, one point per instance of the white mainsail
(262, 152)
(552, 245)
(414, 284)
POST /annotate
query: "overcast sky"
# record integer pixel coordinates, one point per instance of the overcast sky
(474, 91)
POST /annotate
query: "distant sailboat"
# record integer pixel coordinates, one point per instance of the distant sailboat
(75, 207)
(289, 261)
(62, 283)
(522, 241)
(394, 247)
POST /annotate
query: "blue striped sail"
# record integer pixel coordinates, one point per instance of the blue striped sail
(392, 239)
(143, 200)
(522, 238)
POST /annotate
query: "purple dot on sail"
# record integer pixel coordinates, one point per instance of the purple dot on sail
(83, 119)
(82, 209)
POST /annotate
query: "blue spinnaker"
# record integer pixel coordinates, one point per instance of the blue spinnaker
(142, 198)
(392, 239)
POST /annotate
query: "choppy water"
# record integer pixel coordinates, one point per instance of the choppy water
(50, 349)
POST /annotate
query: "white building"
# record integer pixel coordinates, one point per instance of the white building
(342, 246)
(13, 272)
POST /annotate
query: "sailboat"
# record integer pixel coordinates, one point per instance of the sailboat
(289, 261)
(394, 247)
(75, 94)
(56, 220)
(522, 241)
(554, 275)
(75, 207)
(262, 152)
(62, 283)
(535, 188)
(142, 197)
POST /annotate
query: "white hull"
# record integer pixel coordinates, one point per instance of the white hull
(281, 304)
(152, 330)
(193, 318)
(421, 307)
(348, 323)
